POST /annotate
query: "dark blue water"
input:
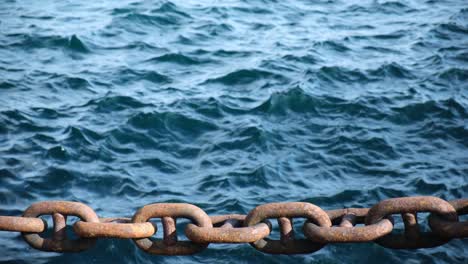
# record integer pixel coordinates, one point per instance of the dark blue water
(228, 105)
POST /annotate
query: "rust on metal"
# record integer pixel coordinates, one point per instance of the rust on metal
(320, 228)
(60, 209)
(169, 231)
(114, 228)
(60, 223)
(287, 245)
(286, 230)
(409, 207)
(450, 229)
(173, 210)
(22, 224)
(336, 214)
(347, 232)
(348, 220)
(227, 229)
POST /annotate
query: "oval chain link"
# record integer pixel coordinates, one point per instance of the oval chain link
(169, 212)
(228, 229)
(60, 210)
(408, 207)
(288, 244)
(347, 232)
(450, 229)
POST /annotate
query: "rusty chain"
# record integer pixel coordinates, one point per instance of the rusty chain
(320, 226)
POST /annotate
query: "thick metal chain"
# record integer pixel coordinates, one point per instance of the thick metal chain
(320, 227)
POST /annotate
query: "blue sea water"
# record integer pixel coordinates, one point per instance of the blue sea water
(228, 105)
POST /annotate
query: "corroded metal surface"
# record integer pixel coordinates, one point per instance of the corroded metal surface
(169, 245)
(409, 207)
(320, 227)
(347, 232)
(114, 228)
(59, 242)
(22, 224)
(287, 244)
(449, 229)
(230, 231)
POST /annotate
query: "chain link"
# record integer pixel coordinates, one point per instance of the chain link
(320, 227)
(169, 213)
(408, 207)
(60, 210)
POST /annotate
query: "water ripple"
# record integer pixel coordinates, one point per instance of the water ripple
(228, 105)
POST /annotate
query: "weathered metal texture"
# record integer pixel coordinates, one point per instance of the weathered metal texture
(22, 224)
(347, 232)
(167, 211)
(286, 211)
(114, 228)
(408, 207)
(59, 211)
(227, 229)
(449, 229)
(336, 214)
(253, 228)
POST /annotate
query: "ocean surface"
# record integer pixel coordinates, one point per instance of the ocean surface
(228, 105)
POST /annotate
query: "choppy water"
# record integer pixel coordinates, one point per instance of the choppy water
(231, 104)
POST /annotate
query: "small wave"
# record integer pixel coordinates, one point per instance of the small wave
(166, 15)
(152, 20)
(453, 27)
(232, 53)
(462, 56)
(247, 138)
(171, 123)
(6, 85)
(59, 82)
(450, 31)
(449, 131)
(77, 45)
(332, 45)
(382, 49)
(160, 165)
(306, 59)
(211, 183)
(333, 74)
(48, 113)
(252, 10)
(455, 74)
(251, 177)
(58, 181)
(295, 100)
(76, 83)
(15, 120)
(245, 76)
(79, 137)
(50, 42)
(170, 8)
(446, 109)
(58, 153)
(386, 8)
(109, 104)
(210, 108)
(133, 45)
(215, 29)
(392, 70)
(428, 187)
(127, 75)
(176, 58)
(392, 7)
